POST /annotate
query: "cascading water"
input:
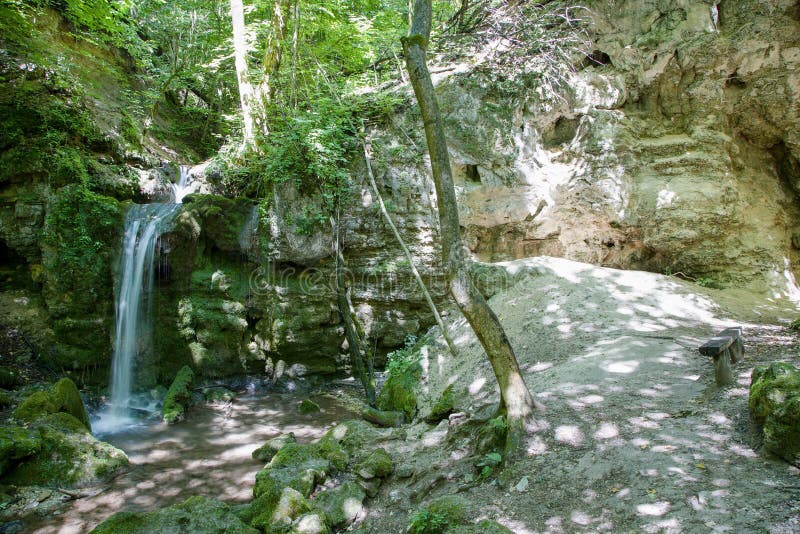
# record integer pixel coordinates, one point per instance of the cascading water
(144, 225)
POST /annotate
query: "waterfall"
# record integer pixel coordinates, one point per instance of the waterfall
(144, 225)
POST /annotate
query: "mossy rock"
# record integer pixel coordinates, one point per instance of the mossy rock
(377, 465)
(775, 405)
(69, 456)
(453, 507)
(310, 523)
(354, 435)
(443, 407)
(398, 393)
(178, 396)
(341, 505)
(17, 443)
(307, 406)
(197, 515)
(268, 450)
(770, 386)
(443, 514)
(63, 397)
(221, 219)
(292, 504)
(219, 394)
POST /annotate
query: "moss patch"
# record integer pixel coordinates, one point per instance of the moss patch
(178, 396)
(775, 405)
(198, 515)
(63, 397)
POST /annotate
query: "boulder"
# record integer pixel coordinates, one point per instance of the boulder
(775, 406)
(60, 452)
(341, 505)
(63, 397)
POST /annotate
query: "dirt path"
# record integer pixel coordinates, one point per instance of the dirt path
(635, 436)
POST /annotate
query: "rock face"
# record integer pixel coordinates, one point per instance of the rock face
(673, 147)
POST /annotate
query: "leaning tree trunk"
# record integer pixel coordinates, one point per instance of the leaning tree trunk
(516, 400)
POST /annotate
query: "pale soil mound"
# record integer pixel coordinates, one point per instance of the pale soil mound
(634, 435)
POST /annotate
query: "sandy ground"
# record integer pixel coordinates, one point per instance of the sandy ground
(634, 435)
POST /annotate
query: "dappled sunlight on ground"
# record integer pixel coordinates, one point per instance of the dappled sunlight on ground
(635, 436)
(208, 454)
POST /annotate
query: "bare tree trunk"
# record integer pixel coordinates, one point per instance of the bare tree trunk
(240, 60)
(354, 341)
(295, 34)
(409, 257)
(516, 400)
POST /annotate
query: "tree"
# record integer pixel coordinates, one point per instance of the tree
(516, 401)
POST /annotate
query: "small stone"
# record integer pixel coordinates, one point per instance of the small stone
(522, 485)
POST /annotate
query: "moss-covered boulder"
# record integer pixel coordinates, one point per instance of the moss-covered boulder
(377, 465)
(197, 515)
(341, 505)
(268, 450)
(775, 406)
(221, 220)
(443, 407)
(300, 467)
(63, 397)
(178, 397)
(307, 406)
(17, 443)
(292, 504)
(67, 456)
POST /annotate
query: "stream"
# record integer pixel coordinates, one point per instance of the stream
(208, 454)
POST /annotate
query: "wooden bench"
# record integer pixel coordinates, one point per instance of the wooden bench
(726, 348)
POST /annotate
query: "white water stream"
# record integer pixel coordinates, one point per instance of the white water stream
(144, 225)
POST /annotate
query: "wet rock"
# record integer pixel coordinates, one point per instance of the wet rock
(775, 405)
(341, 505)
(198, 515)
(266, 452)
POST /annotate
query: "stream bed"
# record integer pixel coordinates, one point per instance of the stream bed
(208, 454)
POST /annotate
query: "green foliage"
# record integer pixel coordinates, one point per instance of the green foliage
(427, 522)
(710, 282)
(795, 325)
(487, 464)
(406, 360)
